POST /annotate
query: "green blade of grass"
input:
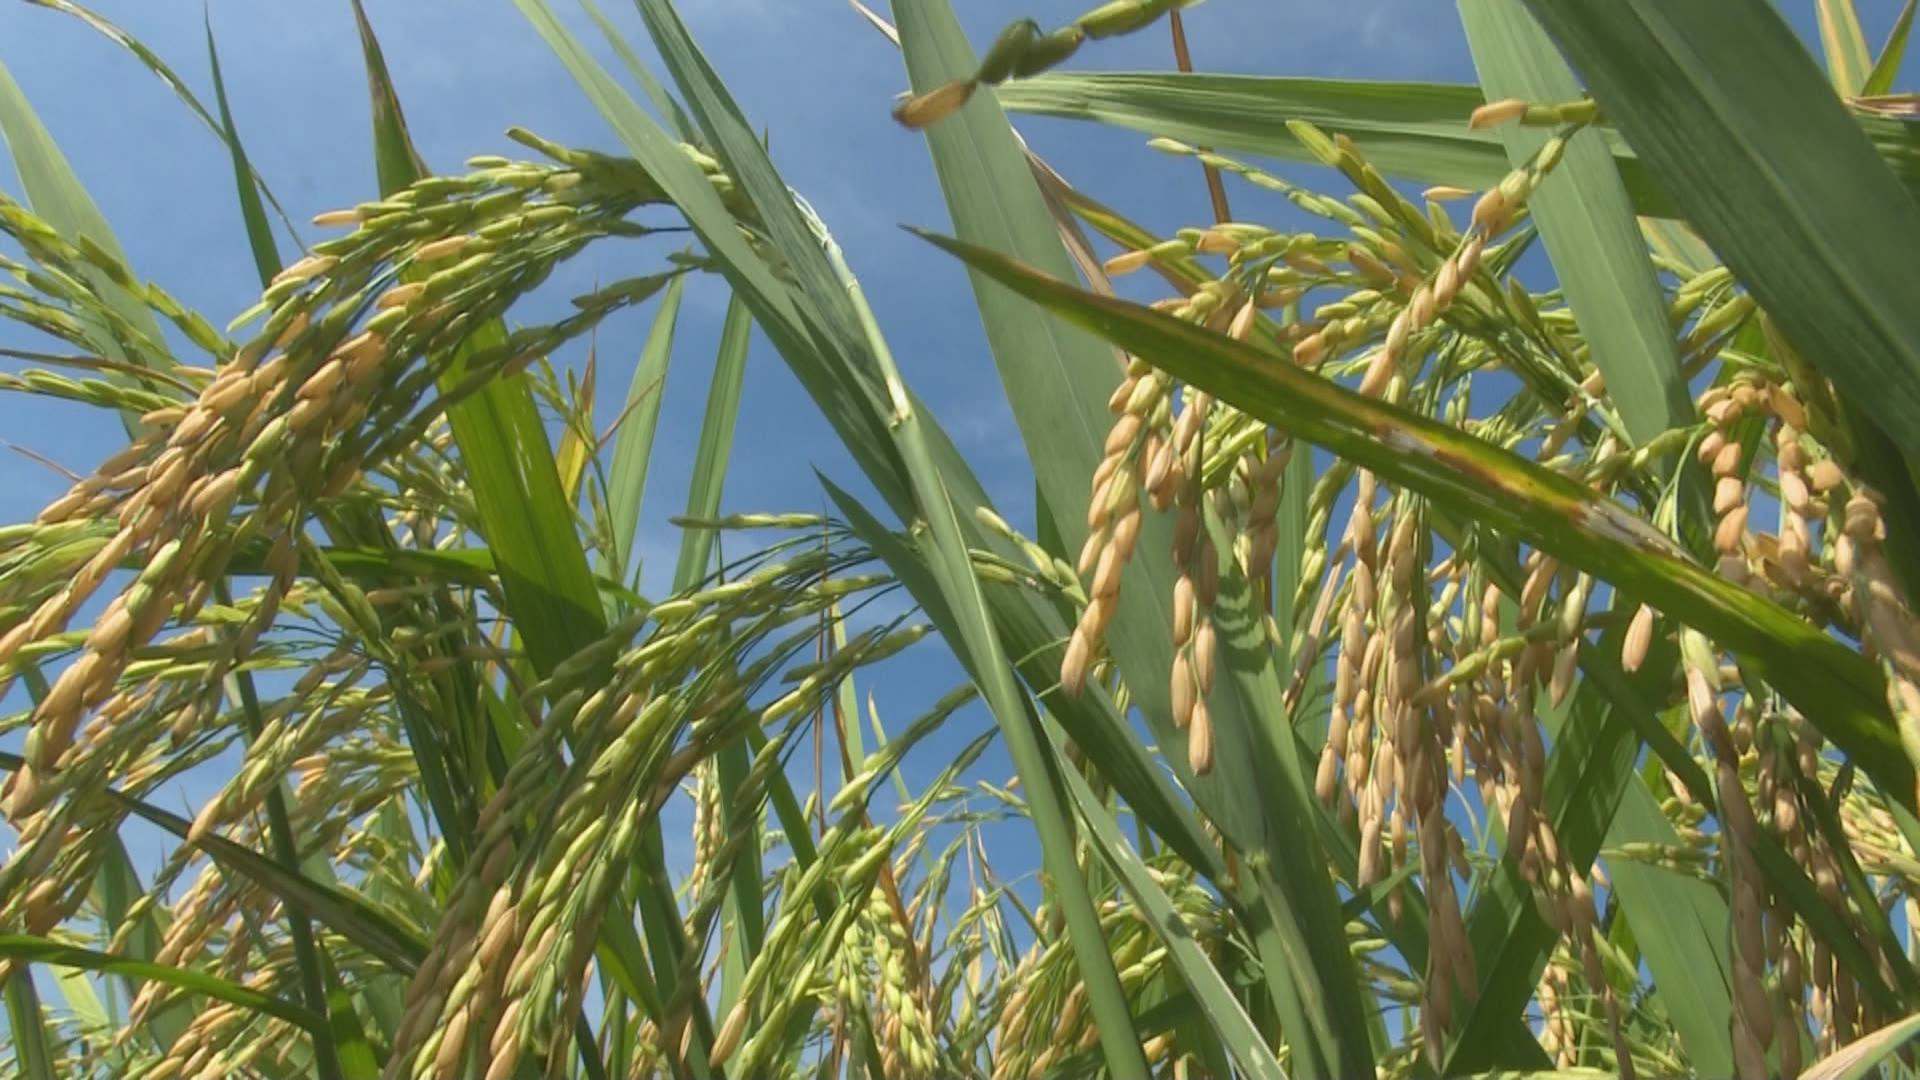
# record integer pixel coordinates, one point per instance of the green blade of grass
(853, 400)
(846, 390)
(663, 102)
(1892, 54)
(526, 518)
(528, 523)
(82, 1000)
(1839, 690)
(357, 1058)
(1243, 1041)
(1019, 724)
(57, 196)
(1587, 223)
(745, 898)
(39, 950)
(1057, 381)
(716, 444)
(266, 257)
(396, 163)
(32, 1036)
(633, 446)
(1091, 719)
(935, 588)
(836, 303)
(1730, 115)
(1414, 130)
(1844, 45)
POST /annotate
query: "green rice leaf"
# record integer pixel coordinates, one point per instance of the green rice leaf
(1844, 44)
(1587, 223)
(266, 257)
(1243, 1041)
(716, 444)
(57, 196)
(640, 418)
(1730, 115)
(1839, 690)
(1892, 54)
(1057, 381)
(31, 1034)
(39, 950)
(1413, 130)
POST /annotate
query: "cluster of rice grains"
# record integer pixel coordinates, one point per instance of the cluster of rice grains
(335, 407)
(1043, 1024)
(1440, 669)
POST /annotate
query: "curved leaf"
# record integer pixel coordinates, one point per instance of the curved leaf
(1731, 116)
(1838, 689)
(1410, 129)
(39, 950)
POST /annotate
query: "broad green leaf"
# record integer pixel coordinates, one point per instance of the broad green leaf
(716, 445)
(1242, 1040)
(357, 1059)
(1844, 44)
(1892, 54)
(266, 257)
(30, 1033)
(1057, 381)
(1861, 1058)
(83, 1001)
(58, 197)
(852, 397)
(1730, 115)
(1587, 223)
(1675, 242)
(395, 161)
(1836, 688)
(1414, 130)
(526, 518)
(640, 416)
(663, 102)
(39, 950)
(745, 901)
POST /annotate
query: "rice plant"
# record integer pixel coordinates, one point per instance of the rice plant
(1427, 659)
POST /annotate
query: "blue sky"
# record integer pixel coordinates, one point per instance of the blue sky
(811, 72)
